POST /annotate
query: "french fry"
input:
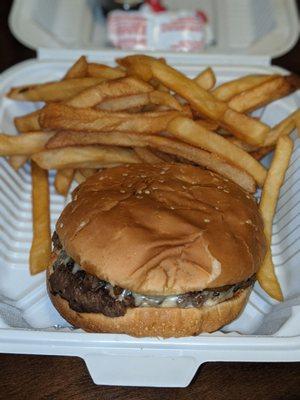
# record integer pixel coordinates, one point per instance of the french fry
(206, 79)
(84, 157)
(245, 146)
(109, 89)
(52, 91)
(274, 180)
(28, 122)
(261, 95)
(283, 128)
(188, 131)
(63, 180)
(167, 145)
(139, 100)
(79, 177)
(104, 72)
(227, 90)
(59, 116)
(124, 103)
(40, 251)
(26, 144)
(87, 171)
(17, 161)
(24, 124)
(244, 127)
(147, 155)
(78, 70)
(148, 67)
(207, 124)
(261, 152)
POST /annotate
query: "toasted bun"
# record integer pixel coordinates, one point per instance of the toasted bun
(163, 322)
(163, 229)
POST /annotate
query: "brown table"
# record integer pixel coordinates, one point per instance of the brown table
(49, 377)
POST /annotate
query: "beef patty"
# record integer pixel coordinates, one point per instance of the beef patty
(86, 293)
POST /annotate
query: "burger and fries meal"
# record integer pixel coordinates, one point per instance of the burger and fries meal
(163, 236)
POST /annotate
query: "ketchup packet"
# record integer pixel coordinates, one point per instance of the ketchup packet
(146, 30)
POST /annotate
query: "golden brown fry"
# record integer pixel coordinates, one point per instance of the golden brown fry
(40, 251)
(207, 124)
(17, 161)
(107, 90)
(245, 146)
(26, 144)
(167, 145)
(261, 152)
(87, 171)
(227, 90)
(59, 116)
(84, 157)
(28, 122)
(188, 131)
(147, 155)
(244, 127)
(104, 71)
(275, 178)
(125, 103)
(283, 128)
(52, 91)
(261, 95)
(139, 100)
(206, 79)
(63, 180)
(298, 124)
(79, 177)
(148, 67)
(78, 70)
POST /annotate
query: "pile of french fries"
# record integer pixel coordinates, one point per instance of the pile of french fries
(143, 110)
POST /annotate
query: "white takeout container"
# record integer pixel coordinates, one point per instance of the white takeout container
(266, 330)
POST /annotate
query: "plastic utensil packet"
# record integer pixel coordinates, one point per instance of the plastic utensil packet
(165, 30)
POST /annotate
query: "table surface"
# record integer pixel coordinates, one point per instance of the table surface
(49, 377)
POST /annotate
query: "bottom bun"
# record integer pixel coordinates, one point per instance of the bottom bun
(163, 322)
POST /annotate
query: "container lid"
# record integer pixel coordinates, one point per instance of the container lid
(266, 28)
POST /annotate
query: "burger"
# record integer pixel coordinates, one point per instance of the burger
(163, 250)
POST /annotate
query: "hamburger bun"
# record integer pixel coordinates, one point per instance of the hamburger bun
(161, 230)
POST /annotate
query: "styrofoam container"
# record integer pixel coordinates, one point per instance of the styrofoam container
(266, 330)
(257, 27)
(29, 324)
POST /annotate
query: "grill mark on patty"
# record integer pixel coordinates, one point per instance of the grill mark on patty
(86, 293)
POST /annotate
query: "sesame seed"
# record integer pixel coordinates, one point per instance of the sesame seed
(122, 191)
(61, 225)
(172, 208)
(124, 174)
(147, 191)
(206, 220)
(226, 191)
(220, 187)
